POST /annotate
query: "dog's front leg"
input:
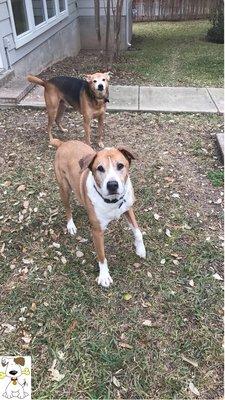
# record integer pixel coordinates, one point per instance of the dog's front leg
(87, 129)
(138, 238)
(101, 131)
(104, 278)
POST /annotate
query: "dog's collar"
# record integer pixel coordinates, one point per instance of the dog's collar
(113, 201)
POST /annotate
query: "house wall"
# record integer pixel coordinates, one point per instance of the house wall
(61, 40)
(87, 19)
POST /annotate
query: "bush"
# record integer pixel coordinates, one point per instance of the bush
(216, 32)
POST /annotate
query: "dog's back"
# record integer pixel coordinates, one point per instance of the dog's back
(70, 87)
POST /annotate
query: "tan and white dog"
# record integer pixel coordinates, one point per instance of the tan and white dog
(13, 370)
(100, 181)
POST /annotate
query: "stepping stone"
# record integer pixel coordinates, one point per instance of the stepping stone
(217, 95)
(35, 98)
(14, 91)
(123, 98)
(220, 141)
(177, 99)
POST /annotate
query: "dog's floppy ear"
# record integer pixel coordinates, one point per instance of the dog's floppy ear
(4, 362)
(19, 361)
(108, 75)
(127, 153)
(88, 78)
(87, 161)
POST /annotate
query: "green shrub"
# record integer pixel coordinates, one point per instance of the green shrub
(216, 32)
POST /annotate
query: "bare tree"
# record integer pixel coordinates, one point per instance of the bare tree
(97, 23)
(117, 7)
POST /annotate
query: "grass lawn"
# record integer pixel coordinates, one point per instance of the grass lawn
(162, 54)
(49, 296)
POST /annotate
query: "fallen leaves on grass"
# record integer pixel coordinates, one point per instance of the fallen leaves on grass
(79, 254)
(168, 233)
(115, 382)
(21, 188)
(193, 389)
(217, 277)
(8, 328)
(71, 328)
(147, 322)
(189, 361)
(127, 296)
(191, 283)
(55, 374)
(125, 345)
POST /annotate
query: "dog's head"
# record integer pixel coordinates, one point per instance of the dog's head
(99, 83)
(13, 366)
(110, 169)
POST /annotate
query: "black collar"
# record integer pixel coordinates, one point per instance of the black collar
(111, 201)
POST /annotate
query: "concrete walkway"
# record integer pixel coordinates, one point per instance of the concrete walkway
(157, 99)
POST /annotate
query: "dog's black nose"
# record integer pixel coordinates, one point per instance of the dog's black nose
(112, 186)
(100, 87)
(13, 372)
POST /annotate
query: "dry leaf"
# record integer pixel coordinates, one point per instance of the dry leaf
(56, 245)
(8, 328)
(191, 283)
(156, 216)
(147, 322)
(125, 345)
(21, 188)
(63, 259)
(26, 338)
(26, 204)
(115, 382)
(71, 328)
(189, 361)
(168, 232)
(163, 261)
(55, 374)
(193, 389)
(217, 277)
(33, 307)
(127, 296)
(79, 253)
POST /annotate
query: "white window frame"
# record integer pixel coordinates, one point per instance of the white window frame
(36, 30)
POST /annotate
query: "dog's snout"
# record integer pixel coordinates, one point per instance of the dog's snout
(13, 372)
(100, 87)
(112, 186)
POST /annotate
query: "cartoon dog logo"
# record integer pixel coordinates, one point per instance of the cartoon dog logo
(13, 371)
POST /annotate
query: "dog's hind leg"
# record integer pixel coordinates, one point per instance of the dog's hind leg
(138, 238)
(60, 112)
(65, 191)
(52, 104)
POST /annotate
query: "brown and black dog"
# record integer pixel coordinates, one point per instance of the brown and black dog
(89, 97)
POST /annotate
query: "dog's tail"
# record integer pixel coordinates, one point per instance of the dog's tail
(35, 79)
(56, 142)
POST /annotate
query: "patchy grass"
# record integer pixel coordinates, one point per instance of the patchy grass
(216, 177)
(68, 316)
(162, 53)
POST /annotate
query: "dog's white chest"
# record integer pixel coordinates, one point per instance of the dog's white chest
(107, 212)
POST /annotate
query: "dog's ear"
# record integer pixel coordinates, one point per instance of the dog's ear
(19, 361)
(88, 78)
(108, 75)
(87, 161)
(127, 153)
(4, 362)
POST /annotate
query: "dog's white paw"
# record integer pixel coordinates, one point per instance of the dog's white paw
(71, 227)
(140, 249)
(104, 279)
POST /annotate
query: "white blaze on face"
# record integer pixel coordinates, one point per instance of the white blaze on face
(13, 367)
(99, 81)
(112, 175)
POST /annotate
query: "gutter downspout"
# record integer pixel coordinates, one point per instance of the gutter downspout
(127, 24)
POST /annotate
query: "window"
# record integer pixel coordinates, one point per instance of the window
(20, 16)
(30, 18)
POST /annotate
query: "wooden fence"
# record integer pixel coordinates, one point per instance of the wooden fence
(174, 10)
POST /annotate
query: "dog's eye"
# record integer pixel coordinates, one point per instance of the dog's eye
(120, 166)
(103, 79)
(94, 81)
(100, 168)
